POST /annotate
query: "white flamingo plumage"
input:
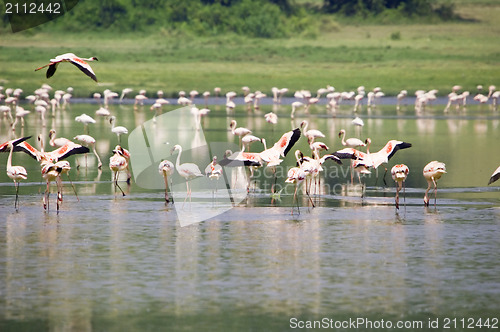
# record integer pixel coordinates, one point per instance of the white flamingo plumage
(71, 58)
(16, 173)
(433, 172)
(87, 140)
(57, 141)
(399, 173)
(118, 130)
(188, 171)
(239, 131)
(117, 163)
(311, 134)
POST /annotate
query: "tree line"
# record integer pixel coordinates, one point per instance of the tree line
(254, 18)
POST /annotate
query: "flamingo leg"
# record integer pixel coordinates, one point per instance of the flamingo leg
(435, 191)
(46, 197)
(99, 163)
(59, 193)
(117, 185)
(166, 189)
(295, 199)
(187, 193)
(16, 184)
(404, 194)
(426, 196)
(74, 189)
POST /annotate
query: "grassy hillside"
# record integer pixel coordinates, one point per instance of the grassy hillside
(394, 57)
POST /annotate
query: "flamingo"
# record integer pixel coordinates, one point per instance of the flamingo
(166, 169)
(118, 130)
(351, 143)
(239, 131)
(57, 141)
(85, 119)
(271, 117)
(363, 161)
(125, 91)
(87, 140)
(311, 134)
(213, 171)
(295, 105)
(188, 171)
(433, 172)
(117, 163)
(495, 176)
(50, 162)
(20, 114)
(271, 155)
(399, 173)
(70, 57)
(16, 173)
(296, 175)
(247, 140)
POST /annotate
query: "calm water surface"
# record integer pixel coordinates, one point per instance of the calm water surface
(107, 262)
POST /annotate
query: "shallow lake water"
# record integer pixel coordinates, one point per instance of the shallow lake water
(108, 262)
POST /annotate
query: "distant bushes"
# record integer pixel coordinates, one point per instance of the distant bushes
(252, 18)
(396, 9)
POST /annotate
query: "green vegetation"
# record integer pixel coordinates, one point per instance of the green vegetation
(323, 51)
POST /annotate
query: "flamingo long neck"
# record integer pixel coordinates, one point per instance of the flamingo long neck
(368, 143)
(297, 156)
(343, 138)
(9, 160)
(306, 124)
(178, 161)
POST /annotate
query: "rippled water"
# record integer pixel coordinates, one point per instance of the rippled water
(107, 262)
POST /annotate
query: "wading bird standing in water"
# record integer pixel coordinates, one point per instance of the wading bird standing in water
(188, 171)
(166, 169)
(70, 57)
(432, 173)
(117, 163)
(16, 173)
(399, 173)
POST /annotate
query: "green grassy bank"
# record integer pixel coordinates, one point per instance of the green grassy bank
(394, 57)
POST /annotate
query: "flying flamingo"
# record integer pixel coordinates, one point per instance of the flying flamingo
(166, 169)
(16, 173)
(70, 57)
(495, 176)
(87, 140)
(271, 155)
(188, 171)
(399, 173)
(433, 172)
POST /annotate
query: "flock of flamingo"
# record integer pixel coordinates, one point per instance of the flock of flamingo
(53, 164)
